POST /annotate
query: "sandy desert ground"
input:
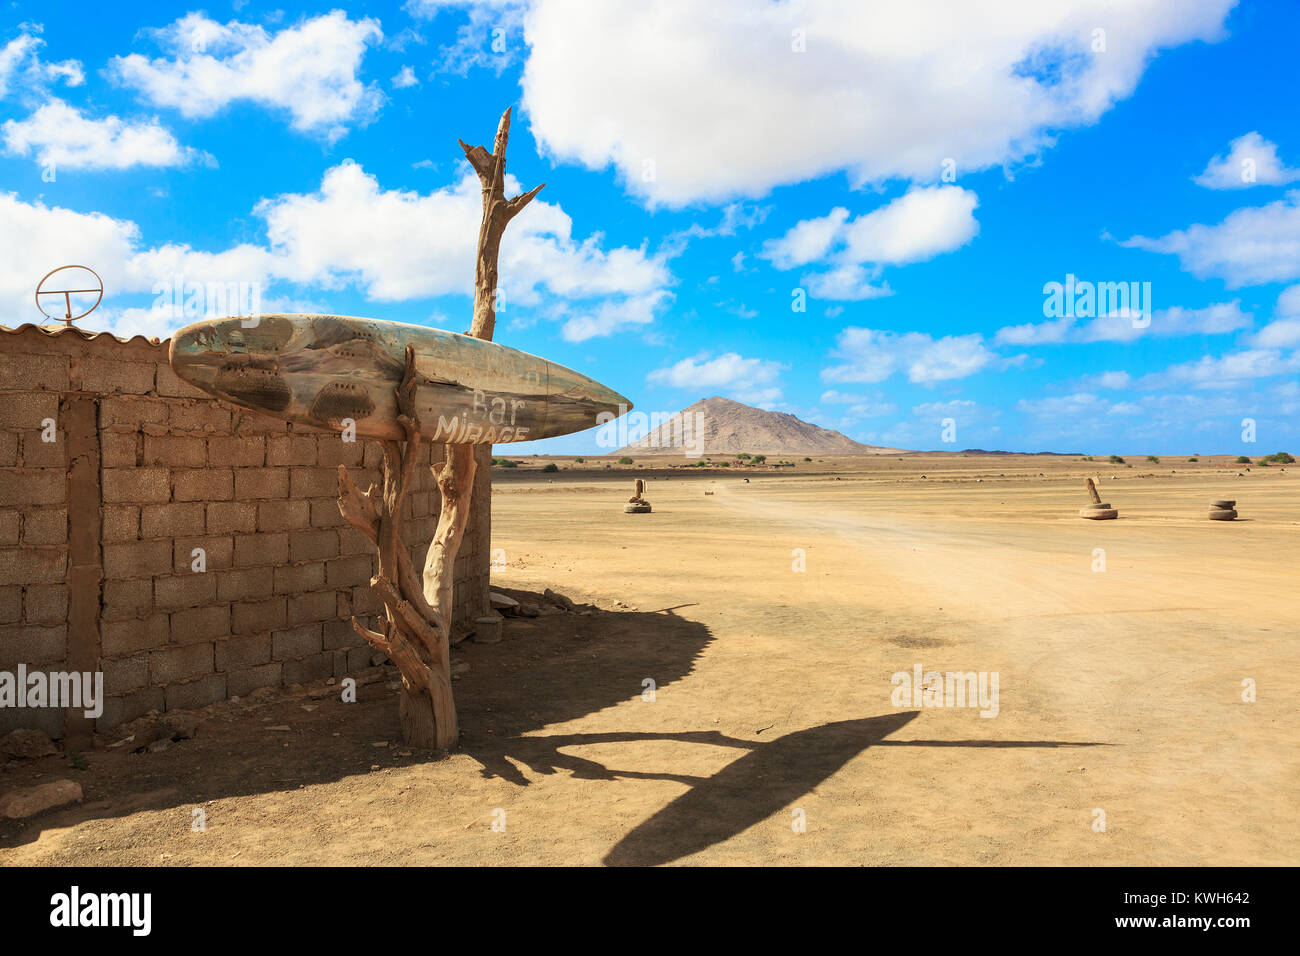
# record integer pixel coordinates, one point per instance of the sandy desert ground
(1119, 690)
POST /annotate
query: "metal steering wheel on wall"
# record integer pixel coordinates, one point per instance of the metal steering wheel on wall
(68, 318)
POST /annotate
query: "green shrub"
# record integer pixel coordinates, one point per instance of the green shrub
(625, 460)
(550, 466)
(759, 459)
(743, 455)
(1153, 458)
(504, 463)
(579, 460)
(1193, 459)
(1243, 460)
(1116, 460)
(1281, 458)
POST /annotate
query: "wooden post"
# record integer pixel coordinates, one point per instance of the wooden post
(416, 628)
(1092, 491)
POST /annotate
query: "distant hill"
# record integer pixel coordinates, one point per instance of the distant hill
(984, 451)
(731, 427)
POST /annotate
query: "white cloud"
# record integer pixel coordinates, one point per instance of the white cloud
(21, 64)
(1052, 332)
(1284, 331)
(1282, 334)
(807, 241)
(1226, 371)
(1217, 319)
(1203, 420)
(845, 284)
(747, 379)
(870, 355)
(1250, 159)
(392, 245)
(612, 316)
(1112, 381)
(716, 95)
(1250, 247)
(927, 426)
(918, 225)
(1080, 405)
(405, 78)
(914, 227)
(860, 406)
(490, 37)
(28, 231)
(309, 70)
(398, 245)
(62, 135)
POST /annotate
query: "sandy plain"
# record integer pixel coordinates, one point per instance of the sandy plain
(772, 737)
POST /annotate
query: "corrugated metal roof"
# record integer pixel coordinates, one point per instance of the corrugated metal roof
(83, 333)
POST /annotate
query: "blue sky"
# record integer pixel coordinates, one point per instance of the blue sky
(914, 175)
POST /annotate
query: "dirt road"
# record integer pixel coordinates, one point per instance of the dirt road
(771, 617)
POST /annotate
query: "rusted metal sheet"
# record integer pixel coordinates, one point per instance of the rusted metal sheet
(321, 370)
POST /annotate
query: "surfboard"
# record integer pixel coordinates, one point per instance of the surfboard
(326, 370)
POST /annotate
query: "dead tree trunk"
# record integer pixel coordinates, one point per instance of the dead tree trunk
(415, 631)
(497, 213)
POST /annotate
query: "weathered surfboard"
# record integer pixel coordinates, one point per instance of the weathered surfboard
(320, 370)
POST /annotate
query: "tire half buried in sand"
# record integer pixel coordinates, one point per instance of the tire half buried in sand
(1098, 513)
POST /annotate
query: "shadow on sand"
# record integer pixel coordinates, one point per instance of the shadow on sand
(546, 671)
(768, 779)
(552, 670)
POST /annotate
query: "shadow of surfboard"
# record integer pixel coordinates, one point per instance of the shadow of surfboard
(770, 778)
(750, 789)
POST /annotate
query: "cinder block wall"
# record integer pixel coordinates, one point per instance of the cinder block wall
(98, 531)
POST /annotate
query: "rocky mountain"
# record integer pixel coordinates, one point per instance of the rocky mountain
(720, 426)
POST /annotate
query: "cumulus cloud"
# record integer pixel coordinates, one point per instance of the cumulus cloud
(1250, 159)
(62, 135)
(808, 241)
(1077, 405)
(21, 65)
(859, 406)
(1112, 381)
(1284, 331)
(871, 355)
(734, 98)
(747, 379)
(1225, 371)
(491, 36)
(1217, 319)
(1251, 246)
(918, 225)
(392, 245)
(611, 316)
(1083, 421)
(956, 423)
(397, 244)
(310, 70)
